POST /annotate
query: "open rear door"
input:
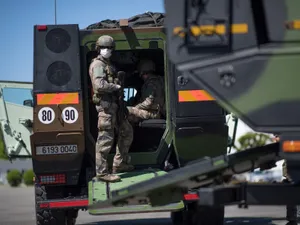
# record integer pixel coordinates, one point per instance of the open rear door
(198, 118)
(16, 117)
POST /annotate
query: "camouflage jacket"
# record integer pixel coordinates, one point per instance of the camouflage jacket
(152, 94)
(103, 77)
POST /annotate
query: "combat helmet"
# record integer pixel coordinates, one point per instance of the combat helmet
(146, 66)
(105, 41)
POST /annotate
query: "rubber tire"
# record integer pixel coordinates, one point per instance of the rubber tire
(209, 215)
(52, 217)
(181, 218)
(177, 217)
(184, 216)
(199, 215)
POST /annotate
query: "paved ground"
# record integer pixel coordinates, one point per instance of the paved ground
(17, 208)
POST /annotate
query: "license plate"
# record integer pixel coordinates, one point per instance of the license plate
(56, 149)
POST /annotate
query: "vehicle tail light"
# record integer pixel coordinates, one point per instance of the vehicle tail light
(189, 197)
(52, 179)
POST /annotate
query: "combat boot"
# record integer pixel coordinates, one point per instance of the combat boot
(108, 177)
(122, 168)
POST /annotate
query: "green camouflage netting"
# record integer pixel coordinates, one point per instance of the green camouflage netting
(148, 19)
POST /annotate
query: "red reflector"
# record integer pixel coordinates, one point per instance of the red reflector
(74, 203)
(44, 205)
(190, 197)
(41, 27)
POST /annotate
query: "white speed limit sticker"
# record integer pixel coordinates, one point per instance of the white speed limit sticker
(69, 115)
(46, 115)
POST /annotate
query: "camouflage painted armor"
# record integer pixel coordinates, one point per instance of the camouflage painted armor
(106, 94)
(152, 102)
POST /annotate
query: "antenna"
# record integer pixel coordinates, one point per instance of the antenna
(55, 11)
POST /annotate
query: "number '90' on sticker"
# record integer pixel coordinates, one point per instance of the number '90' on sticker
(69, 115)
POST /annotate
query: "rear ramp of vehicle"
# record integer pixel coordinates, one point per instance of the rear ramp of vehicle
(101, 191)
(198, 174)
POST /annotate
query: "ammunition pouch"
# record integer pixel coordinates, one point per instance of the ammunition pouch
(108, 97)
(96, 99)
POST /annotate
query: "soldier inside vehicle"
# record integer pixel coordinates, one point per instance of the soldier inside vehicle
(148, 131)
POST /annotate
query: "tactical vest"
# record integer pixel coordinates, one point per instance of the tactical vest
(110, 78)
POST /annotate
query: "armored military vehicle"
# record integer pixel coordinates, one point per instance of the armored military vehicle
(246, 55)
(65, 119)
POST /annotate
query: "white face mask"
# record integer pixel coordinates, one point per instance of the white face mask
(106, 53)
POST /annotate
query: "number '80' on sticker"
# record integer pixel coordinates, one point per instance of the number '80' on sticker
(46, 115)
(69, 115)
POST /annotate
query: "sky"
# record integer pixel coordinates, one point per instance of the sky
(17, 18)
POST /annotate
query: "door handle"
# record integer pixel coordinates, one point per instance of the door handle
(181, 80)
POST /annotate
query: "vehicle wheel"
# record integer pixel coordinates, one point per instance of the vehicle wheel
(177, 217)
(196, 215)
(185, 216)
(206, 215)
(49, 217)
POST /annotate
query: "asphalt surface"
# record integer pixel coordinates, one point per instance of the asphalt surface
(17, 208)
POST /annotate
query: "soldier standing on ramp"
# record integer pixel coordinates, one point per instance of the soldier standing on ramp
(106, 94)
(152, 102)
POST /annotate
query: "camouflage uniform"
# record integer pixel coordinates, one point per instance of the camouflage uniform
(292, 211)
(152, 102)
(106, 94)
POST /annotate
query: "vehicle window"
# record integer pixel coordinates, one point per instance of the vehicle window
(19, 96)
(129, 93)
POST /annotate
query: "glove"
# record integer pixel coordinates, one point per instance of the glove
(118, 87)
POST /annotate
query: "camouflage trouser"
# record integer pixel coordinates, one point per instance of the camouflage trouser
(107, 126)
(135, 114)
(292, 211)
